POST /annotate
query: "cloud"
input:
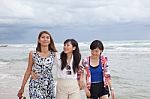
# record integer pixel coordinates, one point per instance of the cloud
(74, 12)
(107, 11)
(14, 11)
(73, 16)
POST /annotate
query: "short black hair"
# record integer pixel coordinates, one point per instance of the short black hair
(97, 44)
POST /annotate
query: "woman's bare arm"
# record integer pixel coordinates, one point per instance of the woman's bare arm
(26, 75)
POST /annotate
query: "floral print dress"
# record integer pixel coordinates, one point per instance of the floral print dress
(43, 87)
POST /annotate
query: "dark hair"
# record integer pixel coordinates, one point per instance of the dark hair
(51, 46)
(76, 56)
(97, 44)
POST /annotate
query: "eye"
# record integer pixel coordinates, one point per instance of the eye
(48, 37)
(96, 51)
(68, 44)
(42, 36)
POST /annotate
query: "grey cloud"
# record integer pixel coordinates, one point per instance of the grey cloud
(75, 12)
(28, 17)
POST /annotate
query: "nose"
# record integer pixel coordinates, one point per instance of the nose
(94, 53)
(45, 38)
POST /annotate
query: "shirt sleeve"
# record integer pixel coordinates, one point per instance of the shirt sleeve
(56, 65)
(107, 69)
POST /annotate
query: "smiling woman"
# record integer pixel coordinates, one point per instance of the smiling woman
(67, 84)
(98, 80)
(41, 62)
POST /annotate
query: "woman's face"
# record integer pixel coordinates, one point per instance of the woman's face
(96, 52)
(44, 39)
(68, 48)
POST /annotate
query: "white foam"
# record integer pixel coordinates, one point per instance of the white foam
(22, 45)
(3, 63)
(133, 49)
(9, 76)
(2, 76)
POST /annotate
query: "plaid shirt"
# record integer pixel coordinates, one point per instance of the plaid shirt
(105, 68)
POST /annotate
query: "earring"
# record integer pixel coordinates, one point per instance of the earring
(74, 48)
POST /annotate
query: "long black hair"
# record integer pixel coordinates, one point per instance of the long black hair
(76, 56)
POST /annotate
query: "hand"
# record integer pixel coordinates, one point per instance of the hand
(112, 94)
(34, 75)
(21, 91)
(81, 85)
(87, 92)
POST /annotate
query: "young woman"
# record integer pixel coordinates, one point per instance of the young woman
(67, 84)
(41, 62)
(98, 77)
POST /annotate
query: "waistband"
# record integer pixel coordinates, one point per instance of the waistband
(97, 82)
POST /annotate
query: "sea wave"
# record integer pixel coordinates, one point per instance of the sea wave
(134, 46)
(132, 49)
(128, 43)
(7, 61)
(22, 45)
(3, 63)
(9, 76)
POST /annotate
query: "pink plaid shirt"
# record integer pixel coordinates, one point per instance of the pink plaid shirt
(105, 68)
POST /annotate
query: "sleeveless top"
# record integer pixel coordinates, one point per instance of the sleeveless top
(43, 87)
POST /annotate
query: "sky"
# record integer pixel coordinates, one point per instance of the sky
(84, 20)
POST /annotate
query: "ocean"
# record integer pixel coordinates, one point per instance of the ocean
(128, 61)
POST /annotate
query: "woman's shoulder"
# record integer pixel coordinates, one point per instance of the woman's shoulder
(103, 57)
(86, 58)
(32, 53)
(104, 60)
(85, 61)
(55, 53)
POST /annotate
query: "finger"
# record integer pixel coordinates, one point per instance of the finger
(19, 95)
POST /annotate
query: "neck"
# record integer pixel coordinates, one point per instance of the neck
(95, 57)
(69, 56)
(44, 49)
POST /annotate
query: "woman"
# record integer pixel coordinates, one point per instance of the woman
(98, 77)
(41, 62)
(67, 84)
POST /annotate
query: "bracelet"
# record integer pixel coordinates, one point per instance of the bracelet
(112, 88)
